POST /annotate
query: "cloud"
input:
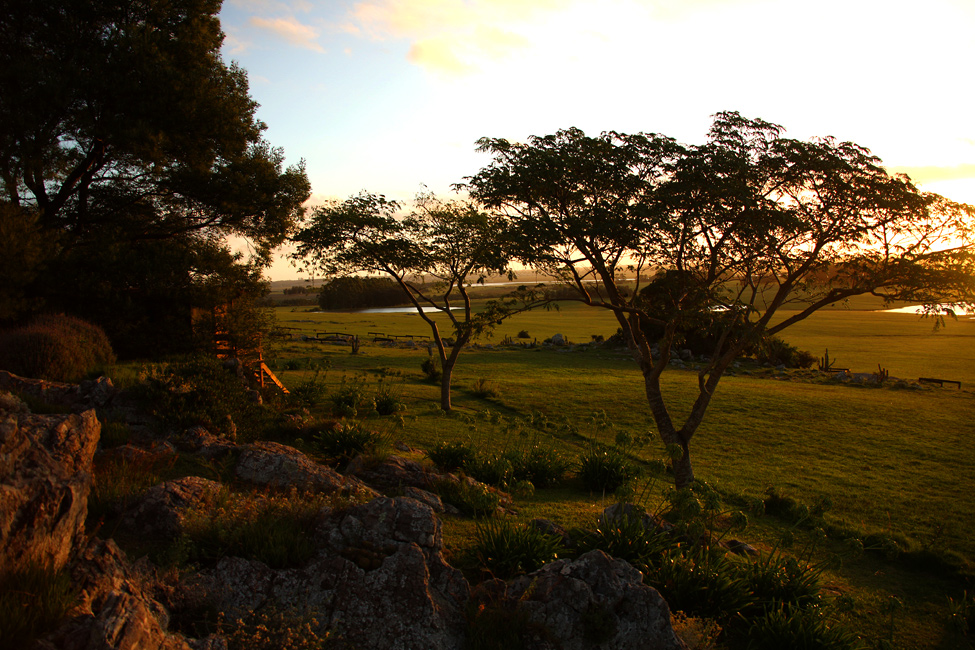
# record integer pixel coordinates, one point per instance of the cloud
(291, 30)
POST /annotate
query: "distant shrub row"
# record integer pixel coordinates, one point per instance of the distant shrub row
(55, 347)
(353, 292)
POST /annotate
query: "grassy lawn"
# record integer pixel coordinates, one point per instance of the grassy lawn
(891, 461)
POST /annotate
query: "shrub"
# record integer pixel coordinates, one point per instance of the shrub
(200, 391)
(350, 398)
(33, 599)
(271, 628)
(627, 538)
(506, 550)
(700, 582)
(482, 389)
(55, 347)
(961, 614)
(523, 334)
(788, 626)
(342, 441)
(431, 370)
(605, 470)
(542, 466)
(779, 579)
(471, 498)
(492, 469)
(309, 392)
(451, 456)
(386, 402)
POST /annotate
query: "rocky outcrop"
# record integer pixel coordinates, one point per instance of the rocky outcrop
(278, 466)
(88, 394)
(45, 477)
(380, 562)
(116, 609)
(160, 512)
(594, 601)
(392, 472)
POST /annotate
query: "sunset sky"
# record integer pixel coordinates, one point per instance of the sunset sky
(390, 95)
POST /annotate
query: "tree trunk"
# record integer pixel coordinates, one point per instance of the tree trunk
(683, 469)
(447, 368)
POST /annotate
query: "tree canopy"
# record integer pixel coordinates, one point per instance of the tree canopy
(120, 125)
(744, 224)
(433, 254)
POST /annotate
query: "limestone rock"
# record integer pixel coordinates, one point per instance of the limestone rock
(275, 465)
(391, 472)
(162, 510)
(45, 477)
(90, 393)
(594, 601)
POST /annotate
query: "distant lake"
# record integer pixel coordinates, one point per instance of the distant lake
(915, 309)
(398, 310)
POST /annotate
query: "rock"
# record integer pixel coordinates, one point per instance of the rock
(391, 472)
(686, 355)
(275, 465)
(379, 582)
(162, 510)
(200, 441)
(45, 477)
(116, 610)
(558, 340)
(594, 601)
(89, 394)
(429, 498)
(739, 547)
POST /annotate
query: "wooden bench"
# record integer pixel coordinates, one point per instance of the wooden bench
(940, 382)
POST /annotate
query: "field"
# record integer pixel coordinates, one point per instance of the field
(895, 463)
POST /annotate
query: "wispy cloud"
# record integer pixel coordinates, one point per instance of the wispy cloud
(291, 30)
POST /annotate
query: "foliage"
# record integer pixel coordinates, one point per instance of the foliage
(542, 466)
(736, 229)
(492, 469)
(387, 402)
(276, 529)
(506, 550)
(33, 600)
(56, 347)
(628, 538)
(451, 456)
(200, 391)
(350, 398)
(483, 389)
(270, 628)
(470, 497)
(699, 581)
(24, 248)
(962, 613)
(802, 628)
(355, 292)
(605, 469)
(310, 391)
(430, 370)
(117, 481)
(346, 439)
(777, 578)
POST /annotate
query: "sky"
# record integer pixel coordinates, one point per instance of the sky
(390, 96)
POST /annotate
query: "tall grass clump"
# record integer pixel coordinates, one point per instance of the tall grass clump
(33, 599)
(451, 456)
(342, 441)
(605, 469)
(506, 550)
(56, 347)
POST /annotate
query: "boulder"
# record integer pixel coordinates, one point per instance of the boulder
(391, 472)
(45, 477)
(274, 465)
(89, 394)
(380, 581)
(594, 601)
(162, 510)
(116, 610)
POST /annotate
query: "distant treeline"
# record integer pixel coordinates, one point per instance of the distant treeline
(300, 290)
(354, 292)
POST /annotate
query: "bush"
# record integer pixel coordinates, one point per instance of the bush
(350, 399)
(33, 600)
(605, 470)
(780, 579)
(451, 456)
(492, 469)
(627, 538)
(543, 467)
(482, 389)
(386, 402)
(55, 347)
(471, 498)
(700, 582)
(431, 370)
(200, 391)
(271, 628)
(788, 626)
(506, 550)
(523, 334)
(345, 440)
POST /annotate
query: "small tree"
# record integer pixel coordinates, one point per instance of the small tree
(735, 229)
(452, 243)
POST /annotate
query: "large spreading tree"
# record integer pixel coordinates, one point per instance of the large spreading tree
(434, 254)
(122, 128)
(722, 236)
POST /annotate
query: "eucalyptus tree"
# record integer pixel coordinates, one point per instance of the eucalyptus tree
(434, 254)
(729, 232)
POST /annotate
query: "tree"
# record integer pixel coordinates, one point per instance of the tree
(734, 229)
(451, 243)
(119, 124)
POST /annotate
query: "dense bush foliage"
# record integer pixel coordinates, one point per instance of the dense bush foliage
(342, 441)
(354, 292)
(55, 347)
(506, 550)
